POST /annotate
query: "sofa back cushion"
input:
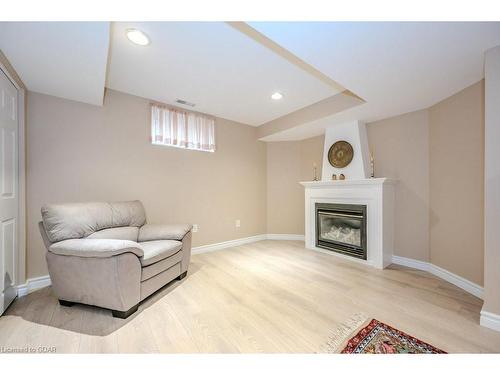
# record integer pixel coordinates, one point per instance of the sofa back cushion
(78, 220)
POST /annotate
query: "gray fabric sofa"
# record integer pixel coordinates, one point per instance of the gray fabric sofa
(104, 254)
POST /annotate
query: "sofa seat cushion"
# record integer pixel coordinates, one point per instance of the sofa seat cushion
(158, 267)
(154, 251)
(95, 248)
(158, 281)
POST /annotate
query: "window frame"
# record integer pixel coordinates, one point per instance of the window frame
(188, 115)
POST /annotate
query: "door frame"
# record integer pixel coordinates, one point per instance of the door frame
(20, 257)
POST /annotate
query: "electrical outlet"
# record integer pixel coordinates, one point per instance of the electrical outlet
(238, 223)
(195, 228)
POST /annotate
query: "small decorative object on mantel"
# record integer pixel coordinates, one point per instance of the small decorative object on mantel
(315, 175)
(340, 154)
(341, 176)
(372, 165)
(334, 176)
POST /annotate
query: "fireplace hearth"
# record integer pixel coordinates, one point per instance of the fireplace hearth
(342, 228)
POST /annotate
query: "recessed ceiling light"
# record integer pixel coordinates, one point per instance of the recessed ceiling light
(137, 37)
(277, 96)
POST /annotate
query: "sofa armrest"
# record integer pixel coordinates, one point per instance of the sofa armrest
(153, 232)
(95, 248)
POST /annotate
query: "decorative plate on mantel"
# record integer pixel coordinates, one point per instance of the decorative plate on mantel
(340, 154)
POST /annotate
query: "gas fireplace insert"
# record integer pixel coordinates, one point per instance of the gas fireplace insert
(341, 228)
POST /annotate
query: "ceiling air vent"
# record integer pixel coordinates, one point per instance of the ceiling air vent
(183, 102)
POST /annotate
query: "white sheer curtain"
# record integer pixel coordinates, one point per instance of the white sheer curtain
(174, 127)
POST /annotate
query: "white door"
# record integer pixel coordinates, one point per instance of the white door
(9, 200)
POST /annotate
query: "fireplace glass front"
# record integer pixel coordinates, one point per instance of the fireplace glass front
(341, 228)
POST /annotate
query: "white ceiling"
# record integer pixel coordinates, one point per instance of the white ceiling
(395, 67)
(223, 71)
(64, 59)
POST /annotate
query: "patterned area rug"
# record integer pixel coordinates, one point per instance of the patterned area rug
(375, 338)
(379, 338)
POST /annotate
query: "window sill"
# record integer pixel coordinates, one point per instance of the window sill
(181, 148)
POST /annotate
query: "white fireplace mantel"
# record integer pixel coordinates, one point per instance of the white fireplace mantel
(376, 193)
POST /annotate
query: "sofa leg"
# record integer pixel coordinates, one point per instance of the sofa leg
(182, 275)
(66, 303)
(124, 314)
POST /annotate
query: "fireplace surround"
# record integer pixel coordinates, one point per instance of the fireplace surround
(341, 228)
(376, 194)
(364, 232)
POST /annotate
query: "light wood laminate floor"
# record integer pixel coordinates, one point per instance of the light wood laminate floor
(268, 296)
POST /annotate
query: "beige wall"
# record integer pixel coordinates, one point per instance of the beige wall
(457, 183)
(394, 142)
(439, 184)
(400, 146)
(79, 152)
(107, 154)
(288, 163)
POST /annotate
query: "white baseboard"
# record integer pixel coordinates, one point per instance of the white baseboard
(286, 237)
(412, 263)
(226, 244)
(246, 240)
(43, 281)
(490, 320)
(452, 278)
(33, 284)
(459, 281)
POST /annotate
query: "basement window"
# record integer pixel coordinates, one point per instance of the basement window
(183, 129)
